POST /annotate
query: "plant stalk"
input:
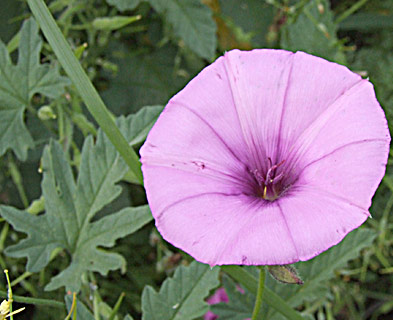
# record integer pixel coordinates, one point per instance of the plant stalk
(258, 301)
(272, 299)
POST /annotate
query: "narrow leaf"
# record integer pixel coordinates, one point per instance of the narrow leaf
(83, 84)
(113, 23)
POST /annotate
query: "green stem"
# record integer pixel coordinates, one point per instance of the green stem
(13, 43)
(350, 10)
(42, 302)
(258, 301)
(17, 179)
(3, 237)
(9, 293)
(21, 278)
(83, 84)
(73, 306)
(116, 307)
(249, 282)
(60, 121)
(96, 310)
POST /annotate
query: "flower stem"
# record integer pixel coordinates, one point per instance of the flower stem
(356, 6)
(73, 307)
(9, 293)
(35, 301)
(261, 287)
(271, 298)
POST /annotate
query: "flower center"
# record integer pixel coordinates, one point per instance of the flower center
(272, 184)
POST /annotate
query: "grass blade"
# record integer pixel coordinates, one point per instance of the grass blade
(83, 84)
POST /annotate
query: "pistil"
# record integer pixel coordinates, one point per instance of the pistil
(269, 183)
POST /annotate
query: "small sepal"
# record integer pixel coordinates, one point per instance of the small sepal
(285, 274)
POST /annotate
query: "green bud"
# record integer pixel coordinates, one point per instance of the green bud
(79, 50)
(46, 113)
(113, 23)
(285, 274)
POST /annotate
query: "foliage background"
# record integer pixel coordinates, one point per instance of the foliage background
(134, 64)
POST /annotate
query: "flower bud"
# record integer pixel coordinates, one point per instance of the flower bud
(46, 113)
(285, 274)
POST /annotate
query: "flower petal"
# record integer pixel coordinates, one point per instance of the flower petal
(259, 81)
(355, 180)
(223, 229)
(207, 155)
(319, 220)
(346, 152)
(181, 139)
(314, 84)
(209, 96)
(169, 186)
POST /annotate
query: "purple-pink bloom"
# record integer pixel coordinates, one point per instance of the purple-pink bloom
(266, 157)
(219, 296)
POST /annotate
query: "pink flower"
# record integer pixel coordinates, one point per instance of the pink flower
(219, 296)
(266, 157)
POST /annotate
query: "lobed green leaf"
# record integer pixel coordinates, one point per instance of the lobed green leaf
(181, 297)
(192, 21)
(70, 207)
(123, 5)
(143, 79)
(313, 31)
(19, 83)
